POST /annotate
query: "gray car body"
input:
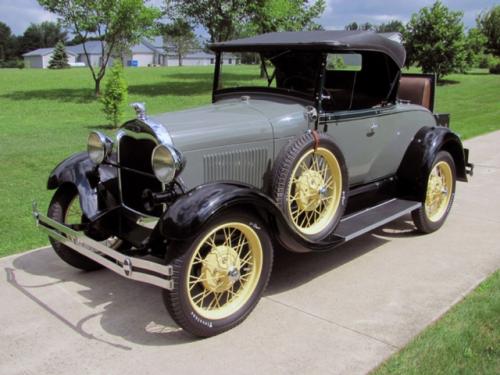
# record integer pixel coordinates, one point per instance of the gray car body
(238, 140)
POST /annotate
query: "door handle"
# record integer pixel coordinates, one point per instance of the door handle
(372, 129)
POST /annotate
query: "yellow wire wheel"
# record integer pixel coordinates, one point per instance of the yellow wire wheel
(310, 185)
(224, 270)
(439, 194)
(220, 275)
(439, 190)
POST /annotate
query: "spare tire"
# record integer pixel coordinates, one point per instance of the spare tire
(309, 184)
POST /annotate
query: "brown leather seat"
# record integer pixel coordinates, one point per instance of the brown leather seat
(417, 90)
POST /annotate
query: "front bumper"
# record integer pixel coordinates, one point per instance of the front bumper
(133, 268)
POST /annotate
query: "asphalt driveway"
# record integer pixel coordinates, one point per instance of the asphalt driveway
(341, 312)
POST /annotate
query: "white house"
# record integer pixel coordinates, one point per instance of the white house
(149, 52)
(40, 58)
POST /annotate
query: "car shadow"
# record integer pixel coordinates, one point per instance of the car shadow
(135, 312)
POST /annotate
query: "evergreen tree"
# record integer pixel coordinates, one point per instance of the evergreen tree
(59, 59)
(115, 94)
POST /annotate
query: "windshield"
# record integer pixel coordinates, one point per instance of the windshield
(292, 71)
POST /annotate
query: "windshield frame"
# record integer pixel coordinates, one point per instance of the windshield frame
(218, 94)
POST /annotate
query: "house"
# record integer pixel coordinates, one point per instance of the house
(40, 57)
(149, 52)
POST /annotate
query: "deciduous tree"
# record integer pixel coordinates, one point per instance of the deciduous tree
(109, 21)
(180, 35)
(42, 35)
(435, 40)
(489, 24)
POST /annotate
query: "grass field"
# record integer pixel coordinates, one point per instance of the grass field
(465, 341)
(46, 115)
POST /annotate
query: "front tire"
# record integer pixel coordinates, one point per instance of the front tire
(440, 194)
(65, 209)
(220, 275)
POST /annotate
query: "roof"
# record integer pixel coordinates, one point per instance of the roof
(44, 52)
(93, 48)
(318, 40)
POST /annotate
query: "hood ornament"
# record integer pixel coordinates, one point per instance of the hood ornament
(140, 110)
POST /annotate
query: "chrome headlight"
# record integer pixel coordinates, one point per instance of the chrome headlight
(167, 163)
(99, 147)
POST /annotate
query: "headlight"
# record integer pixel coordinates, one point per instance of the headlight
(99, 147)
(167, 162)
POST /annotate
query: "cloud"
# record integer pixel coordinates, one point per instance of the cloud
(339, 13)
(20, 13)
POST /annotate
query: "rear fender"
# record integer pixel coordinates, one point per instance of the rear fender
(80, 171)
(417, 162)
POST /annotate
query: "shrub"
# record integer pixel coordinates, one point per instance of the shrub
(115, 95)
(495, 69)
(12, 64)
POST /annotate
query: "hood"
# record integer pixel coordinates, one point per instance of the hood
(231, 121)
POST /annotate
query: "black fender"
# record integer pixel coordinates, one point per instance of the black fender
(81, 172)
(190, 212)
(417, 162)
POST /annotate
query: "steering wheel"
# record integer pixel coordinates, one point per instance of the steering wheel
(298, 78)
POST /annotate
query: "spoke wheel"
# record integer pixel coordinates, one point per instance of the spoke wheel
(310, 185)
(314, 191)
(440, 192)
(219, 277)
(224, 270)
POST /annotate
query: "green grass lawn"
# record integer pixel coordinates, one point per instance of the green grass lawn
(46, 115)
(465, 341)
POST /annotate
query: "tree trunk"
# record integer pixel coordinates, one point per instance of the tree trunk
(180, 59)
(97, 89)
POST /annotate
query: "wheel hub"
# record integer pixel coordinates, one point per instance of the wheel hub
(310, 189)
(221, 269)
(436, 193)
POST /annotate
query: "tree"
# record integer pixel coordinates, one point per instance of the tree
(180, 35)
(353, 26)
(220, 18)
(59, 59)
(435, 40)
(109, 21)
(285, 15)
(475, 43)
(394, 26)
(115, 95)
(5, 41)
(42, 35)
(489, 24)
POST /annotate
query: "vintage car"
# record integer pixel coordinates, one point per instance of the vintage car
(326, 140)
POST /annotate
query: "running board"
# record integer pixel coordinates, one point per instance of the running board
(364, 221)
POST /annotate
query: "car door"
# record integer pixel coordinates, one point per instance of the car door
(362, 136)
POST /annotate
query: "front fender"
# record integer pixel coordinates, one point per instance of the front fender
(79, 171)
(417, 162)
(190, 212)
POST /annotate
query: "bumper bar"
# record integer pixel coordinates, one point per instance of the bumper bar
(130, 267)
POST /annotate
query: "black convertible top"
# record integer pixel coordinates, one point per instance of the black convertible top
(318, 40)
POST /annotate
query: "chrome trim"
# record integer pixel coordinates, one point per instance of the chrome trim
(140, 110)
(179, 161)
(106, 143)
(129, 267)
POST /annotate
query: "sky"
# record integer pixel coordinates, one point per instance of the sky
(18, 14)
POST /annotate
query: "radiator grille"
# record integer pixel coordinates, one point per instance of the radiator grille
(137, 174)
(246, 166)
